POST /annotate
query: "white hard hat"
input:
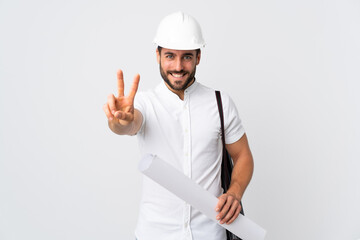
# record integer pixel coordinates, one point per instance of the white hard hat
(179, 31)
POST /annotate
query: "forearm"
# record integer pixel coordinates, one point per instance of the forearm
(241, 174)
(229, 205)
(129, 129)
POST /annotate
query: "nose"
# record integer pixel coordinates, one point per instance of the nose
(178, 65)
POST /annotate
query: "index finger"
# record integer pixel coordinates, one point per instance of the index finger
(120, 82)
(134, 86)
(221, 203)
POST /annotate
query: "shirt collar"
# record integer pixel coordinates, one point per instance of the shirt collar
(188, 90)
(192, 87)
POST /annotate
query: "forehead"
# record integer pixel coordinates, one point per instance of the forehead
(177, 52)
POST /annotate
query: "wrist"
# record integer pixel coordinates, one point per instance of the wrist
(235, 191)
(117, 127)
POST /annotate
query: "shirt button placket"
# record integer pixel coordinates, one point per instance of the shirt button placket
(187, 138)
(187, 230)
(187, 162)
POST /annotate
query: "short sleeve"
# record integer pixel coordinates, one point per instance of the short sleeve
(234, 129)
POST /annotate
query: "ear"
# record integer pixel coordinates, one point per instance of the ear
(198, 56)
(157, 56)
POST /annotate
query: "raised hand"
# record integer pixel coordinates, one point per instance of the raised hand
(120, 109)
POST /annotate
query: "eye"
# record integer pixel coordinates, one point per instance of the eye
(169, 56)
(188, 57)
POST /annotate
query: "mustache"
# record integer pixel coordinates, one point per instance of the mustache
(177, 72)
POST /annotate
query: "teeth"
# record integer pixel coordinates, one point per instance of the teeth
(178, 75)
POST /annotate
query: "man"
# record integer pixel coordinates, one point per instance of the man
(179, 122)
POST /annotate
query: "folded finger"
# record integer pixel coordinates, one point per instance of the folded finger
(124, 116)
(107, 112)
(112, 103)
(119, 115)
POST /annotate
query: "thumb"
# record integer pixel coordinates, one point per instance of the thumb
(124, 117)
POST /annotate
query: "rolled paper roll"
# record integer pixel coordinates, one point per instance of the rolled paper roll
(185, 188)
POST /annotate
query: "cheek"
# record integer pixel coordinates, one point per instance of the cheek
(191, 66)
(165, 65)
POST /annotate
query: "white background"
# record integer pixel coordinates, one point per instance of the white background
(292, 68)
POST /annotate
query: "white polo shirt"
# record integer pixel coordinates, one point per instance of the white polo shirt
(185, 133)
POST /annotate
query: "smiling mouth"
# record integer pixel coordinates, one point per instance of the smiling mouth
(178, 75)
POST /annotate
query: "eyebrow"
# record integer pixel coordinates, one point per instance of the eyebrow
(185, 54)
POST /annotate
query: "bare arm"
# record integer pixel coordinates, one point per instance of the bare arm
(229, 203)
(243, 166)
(123, 119)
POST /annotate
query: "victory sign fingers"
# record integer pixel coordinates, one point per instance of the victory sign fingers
(121, 107)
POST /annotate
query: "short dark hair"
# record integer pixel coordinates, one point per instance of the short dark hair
(197, 50)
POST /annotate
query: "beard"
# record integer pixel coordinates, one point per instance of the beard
(178, 86)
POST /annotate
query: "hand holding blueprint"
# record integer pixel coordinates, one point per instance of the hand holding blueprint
(186, 189)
